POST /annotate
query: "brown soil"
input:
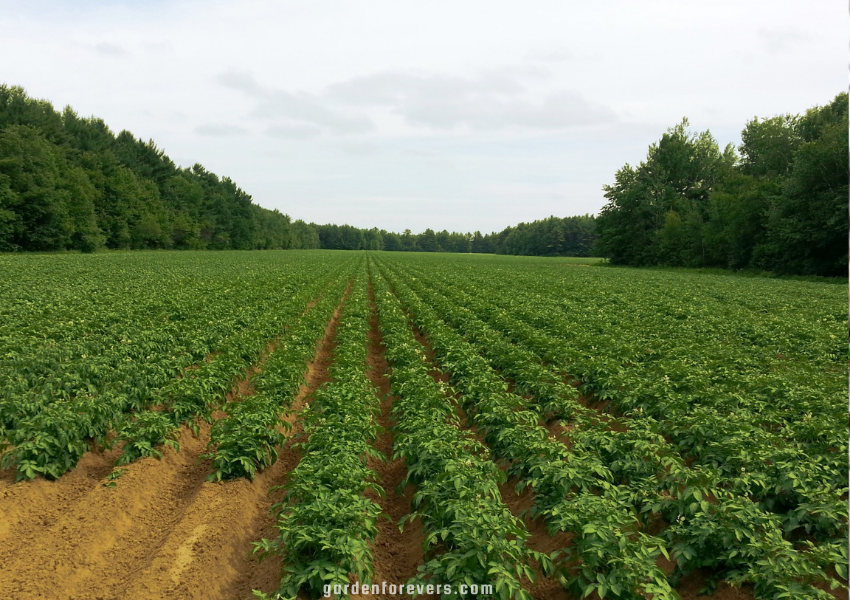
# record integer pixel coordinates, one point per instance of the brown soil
(548, 588)
(397, 555)
(40, 503)
(163, 532)
(543, 588)
(691, 585)
(100, 537)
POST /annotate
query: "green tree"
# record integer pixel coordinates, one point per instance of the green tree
(680, 172)
(32, 169)
(427, 241)
(768, 146)
(808, 224)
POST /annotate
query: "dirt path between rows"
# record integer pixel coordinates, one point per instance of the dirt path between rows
(397, 555)
(163, 532)
(544, 588)
(208, 555)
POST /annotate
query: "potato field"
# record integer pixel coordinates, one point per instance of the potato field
(225, 425)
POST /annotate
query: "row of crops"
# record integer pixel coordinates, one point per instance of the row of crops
(699, 421)
(730, 440)
(105, 355)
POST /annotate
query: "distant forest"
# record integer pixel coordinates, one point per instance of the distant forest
(776, 203)
(569, 236)
(69, 183)
(780, 205)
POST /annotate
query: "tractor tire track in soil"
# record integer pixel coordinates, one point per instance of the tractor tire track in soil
(397, 555)
(162, 532)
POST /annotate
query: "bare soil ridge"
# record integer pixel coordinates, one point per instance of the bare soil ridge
(397, 555)
(162, 532)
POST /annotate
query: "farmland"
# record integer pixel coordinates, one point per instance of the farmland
(556, 428)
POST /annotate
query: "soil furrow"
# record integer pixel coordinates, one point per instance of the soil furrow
(397, 555)
(162, 532)
(544, 588)
(85, 553)
(41, 502)
(244, 572)
(86, 540)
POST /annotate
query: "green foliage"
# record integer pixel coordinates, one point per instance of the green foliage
(140, 344)
(570, 236)
(782, 207)
(144, 435)
(246, 440)
(470, 535)
(69, 183)
(721, 444)
(733, 425)
(654, 209)
(326, 526)
(565, 484)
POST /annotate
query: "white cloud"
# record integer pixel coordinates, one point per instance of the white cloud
(300, 106)
(107, 49)
(293, 132)
(782, 40)
(445, 114)
(220, 130)
(495, 100)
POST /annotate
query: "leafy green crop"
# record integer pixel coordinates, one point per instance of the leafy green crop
(92, 343)
(735, 391)
(326, 525)
(470, 535)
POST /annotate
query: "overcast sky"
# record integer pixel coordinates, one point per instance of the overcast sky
(462, 115)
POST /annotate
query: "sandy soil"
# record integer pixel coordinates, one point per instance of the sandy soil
(162, 532)
(397, 555)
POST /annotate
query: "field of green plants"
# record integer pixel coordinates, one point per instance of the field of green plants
(617, 433)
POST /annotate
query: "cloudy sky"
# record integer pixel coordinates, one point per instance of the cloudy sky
(460, 115)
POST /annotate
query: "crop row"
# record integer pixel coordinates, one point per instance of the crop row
(471, 537)
(246, 439)
(51, 441)
(121, 331)
(137, 356)
(727, 531)
(203, 389)
(326, 525)
(773, 424)
(755, 452)
(573, 493)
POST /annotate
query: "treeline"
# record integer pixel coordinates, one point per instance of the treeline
(69, 183)
(570, 236)
(780, 205)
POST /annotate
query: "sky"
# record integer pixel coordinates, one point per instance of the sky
(460, 115)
